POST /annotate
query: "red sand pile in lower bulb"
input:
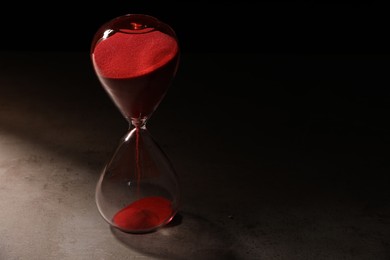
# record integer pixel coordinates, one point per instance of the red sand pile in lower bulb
(144, 214)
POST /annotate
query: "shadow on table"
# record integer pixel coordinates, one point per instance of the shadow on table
(188, 236)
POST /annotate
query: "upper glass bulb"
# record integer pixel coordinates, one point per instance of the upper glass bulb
(135, 57)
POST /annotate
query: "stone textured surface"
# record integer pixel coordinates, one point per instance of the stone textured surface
(278, 173)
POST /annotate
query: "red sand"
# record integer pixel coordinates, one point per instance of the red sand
(126, 55)
(144, 214)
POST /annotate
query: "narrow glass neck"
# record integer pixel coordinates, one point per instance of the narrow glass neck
(138, 122)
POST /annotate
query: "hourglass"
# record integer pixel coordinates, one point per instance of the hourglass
(135, 57)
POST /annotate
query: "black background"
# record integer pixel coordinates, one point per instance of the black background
(205, 26)
(327, 59)
(330, 60)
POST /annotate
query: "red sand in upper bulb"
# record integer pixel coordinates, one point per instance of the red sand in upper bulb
(128, 55)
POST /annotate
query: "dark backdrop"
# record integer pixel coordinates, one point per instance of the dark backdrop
(318, 53)
(205, 26)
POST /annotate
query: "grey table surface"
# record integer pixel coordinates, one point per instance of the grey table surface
(275, 162)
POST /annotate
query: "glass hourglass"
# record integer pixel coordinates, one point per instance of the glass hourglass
(135, 57)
